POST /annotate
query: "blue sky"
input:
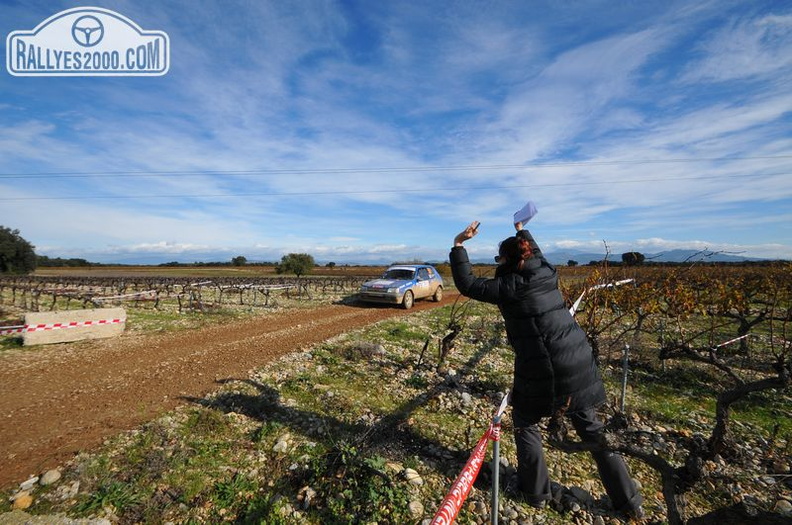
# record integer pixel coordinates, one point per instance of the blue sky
(375, 131)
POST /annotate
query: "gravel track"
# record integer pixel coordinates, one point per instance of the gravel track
(58, 400)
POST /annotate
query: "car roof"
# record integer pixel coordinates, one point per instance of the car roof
(408, 266)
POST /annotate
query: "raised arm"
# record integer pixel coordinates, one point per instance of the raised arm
(525, 234)
(479, 288)
(469, 285)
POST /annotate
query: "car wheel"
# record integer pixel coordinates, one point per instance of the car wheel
(438, 295)
(408, 300)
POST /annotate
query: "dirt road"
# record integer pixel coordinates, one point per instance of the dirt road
(58, 400)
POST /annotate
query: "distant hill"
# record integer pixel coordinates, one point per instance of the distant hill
(678, 256)
(671, 256)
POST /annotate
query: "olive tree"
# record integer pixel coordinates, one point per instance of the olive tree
(16, 254)
(296, 263)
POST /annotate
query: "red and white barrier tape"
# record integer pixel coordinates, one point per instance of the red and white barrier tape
(6, 330)
(453, 501)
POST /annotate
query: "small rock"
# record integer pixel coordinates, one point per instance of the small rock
(22, 500)
(306, 496)
(50, 477)
(68, 490)
(29, 484)
(467, 399)
(412, 477)
(780, 467)
(393, 466)
(281, 447)
(784, 507)
(582, 496)
(416, 508)
(768, 480)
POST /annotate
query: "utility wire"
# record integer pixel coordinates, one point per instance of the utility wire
(373, 192)
(417, 169)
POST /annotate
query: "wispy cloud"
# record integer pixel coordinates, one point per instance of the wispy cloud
(659, 120)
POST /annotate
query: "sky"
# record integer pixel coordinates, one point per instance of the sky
(374, 131)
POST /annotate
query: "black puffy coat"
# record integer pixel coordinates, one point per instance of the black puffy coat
(553, 362)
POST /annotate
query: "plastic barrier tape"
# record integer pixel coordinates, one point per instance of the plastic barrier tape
(54, 326)
(453, 501)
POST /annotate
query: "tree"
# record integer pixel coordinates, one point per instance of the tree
(296, 263)
(632, 258)
(571, 262)
(239, 260)
(16, 254)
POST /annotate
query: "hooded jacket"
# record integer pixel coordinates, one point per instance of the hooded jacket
(553, 361)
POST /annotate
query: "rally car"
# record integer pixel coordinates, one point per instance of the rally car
(403, 284)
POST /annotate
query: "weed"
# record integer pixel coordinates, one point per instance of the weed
(114, 494)
(356, 488)
(417, 381)
(206, 422)
(226, 494)
(264, 431)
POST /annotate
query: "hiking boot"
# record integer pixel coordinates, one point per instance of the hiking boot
(635, 514)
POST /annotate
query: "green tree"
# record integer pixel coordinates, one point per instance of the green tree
(16, 254)
(239, 260)
(633, 258)
(296, 263)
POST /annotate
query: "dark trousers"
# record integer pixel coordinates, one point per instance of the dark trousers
(534, 480)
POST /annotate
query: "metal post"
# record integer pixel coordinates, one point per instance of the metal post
(495, 474)
(625, 364)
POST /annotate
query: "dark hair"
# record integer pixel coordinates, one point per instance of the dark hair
(515, 250)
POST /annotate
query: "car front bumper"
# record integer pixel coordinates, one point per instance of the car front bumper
(380, 297)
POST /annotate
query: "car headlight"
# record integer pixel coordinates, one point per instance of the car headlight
(393, 290)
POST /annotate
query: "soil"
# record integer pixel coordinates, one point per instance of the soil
(58, 400)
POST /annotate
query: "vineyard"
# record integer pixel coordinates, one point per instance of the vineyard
(698, 359)
(185, 294)
(725, 326)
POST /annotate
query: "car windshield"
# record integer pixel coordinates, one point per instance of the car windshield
(400, 274)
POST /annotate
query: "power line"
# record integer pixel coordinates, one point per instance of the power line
(374, 192)
(279, 171)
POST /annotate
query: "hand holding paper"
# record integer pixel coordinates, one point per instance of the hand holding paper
(526, 213)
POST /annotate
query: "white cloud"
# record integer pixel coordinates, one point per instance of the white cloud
(743, 49)
(291, 88)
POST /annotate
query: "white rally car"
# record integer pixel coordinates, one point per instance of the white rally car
(403, 284)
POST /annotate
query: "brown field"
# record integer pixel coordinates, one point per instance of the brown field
(200, 271)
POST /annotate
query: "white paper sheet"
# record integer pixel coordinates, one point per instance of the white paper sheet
(526, 213)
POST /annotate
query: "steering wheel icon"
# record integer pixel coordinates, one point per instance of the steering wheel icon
(87, 31)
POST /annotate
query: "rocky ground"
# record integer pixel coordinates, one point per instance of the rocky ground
(60, 399)
(337, 410)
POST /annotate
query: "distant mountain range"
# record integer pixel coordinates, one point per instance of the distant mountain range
(559, 258)
(562, 258)
(672, 256)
